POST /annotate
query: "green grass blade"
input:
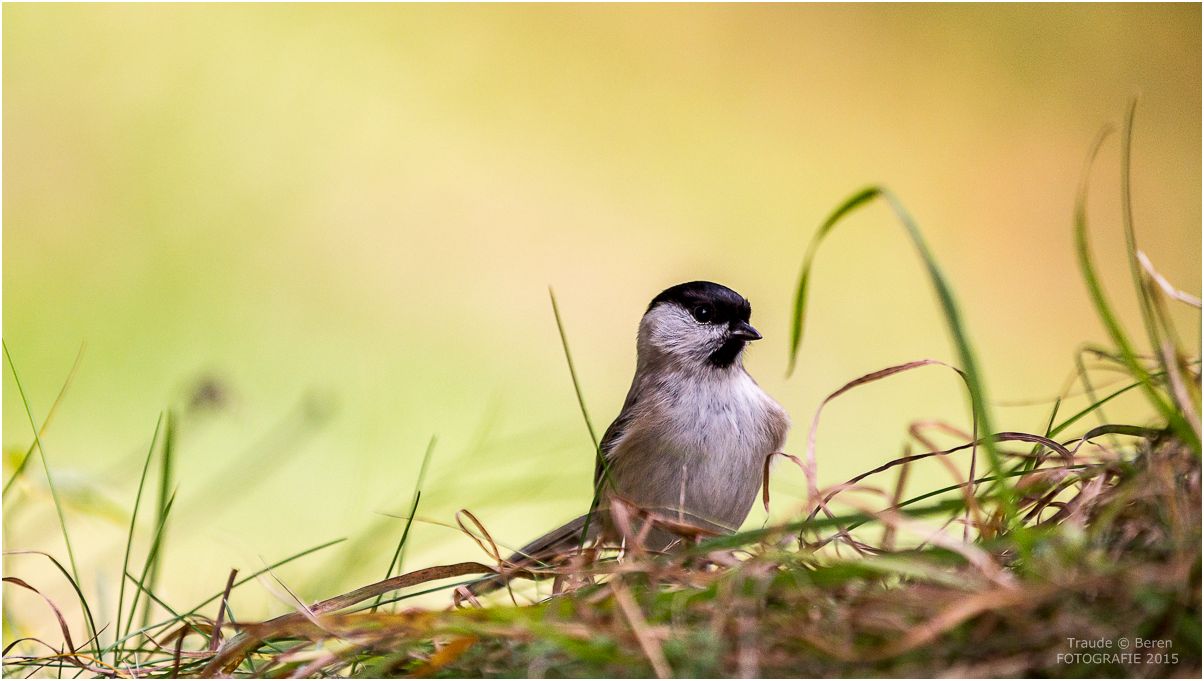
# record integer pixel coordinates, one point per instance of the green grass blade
(1126, 213)
(800, 296)
(403, 544)
(1103, 308)
(1163, 339)
(151, 556)
(54, 493)
(568, 356)
(167, 464)
(399, 553)
(49, 416)
(1085, 378)
(129, 538)
(953, 317)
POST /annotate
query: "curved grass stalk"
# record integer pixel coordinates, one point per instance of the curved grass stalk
(1104, 309)
(953, 317)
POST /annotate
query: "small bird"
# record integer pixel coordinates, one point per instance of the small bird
(691, 440)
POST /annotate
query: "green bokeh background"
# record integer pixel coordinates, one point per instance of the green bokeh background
(348, 217)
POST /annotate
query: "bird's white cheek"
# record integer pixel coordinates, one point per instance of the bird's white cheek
(676, 333)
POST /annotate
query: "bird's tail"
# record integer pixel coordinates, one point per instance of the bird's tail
(555, 543)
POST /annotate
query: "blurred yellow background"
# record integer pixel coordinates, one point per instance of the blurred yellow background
(344, 220)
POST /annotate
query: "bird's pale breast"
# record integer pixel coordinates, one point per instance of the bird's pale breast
(709, 435)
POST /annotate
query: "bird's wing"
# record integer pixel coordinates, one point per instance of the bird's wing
(615, 433)
(547, 548)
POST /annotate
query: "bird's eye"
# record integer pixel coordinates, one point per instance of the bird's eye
(703, 313)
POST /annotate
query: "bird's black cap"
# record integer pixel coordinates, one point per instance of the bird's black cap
(729, 306)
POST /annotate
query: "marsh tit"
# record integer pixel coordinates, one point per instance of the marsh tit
(691, 441)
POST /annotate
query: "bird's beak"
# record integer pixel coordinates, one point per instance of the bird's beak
(744, 331)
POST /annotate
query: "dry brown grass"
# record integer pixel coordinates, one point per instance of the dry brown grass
(1110, 548)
